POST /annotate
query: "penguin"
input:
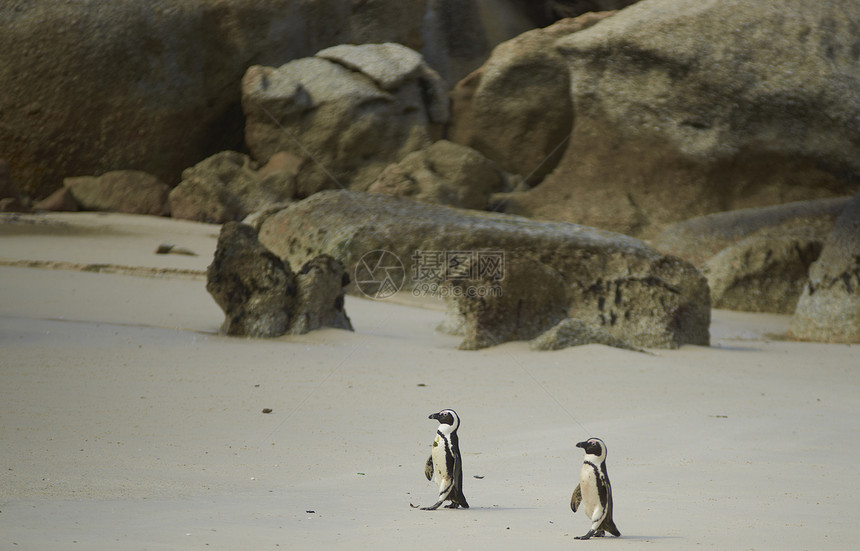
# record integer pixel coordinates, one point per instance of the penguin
(594, 492)
(445, 462)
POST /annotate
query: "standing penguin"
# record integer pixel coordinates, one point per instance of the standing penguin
(594, 491)
(445, 462)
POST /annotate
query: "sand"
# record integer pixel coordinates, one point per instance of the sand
(126, 422)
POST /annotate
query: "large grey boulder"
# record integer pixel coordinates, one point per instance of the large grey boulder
(529, 298)
(698, 239)
(262, 297)
(444, 173)
(685, 107)
(516, 108)
(610, 280)
(765, 272)
(349, 111)
(92, 86)
(829, 308)
(255, 288)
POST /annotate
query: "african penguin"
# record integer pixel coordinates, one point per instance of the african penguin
(445, 462)
(594, 491)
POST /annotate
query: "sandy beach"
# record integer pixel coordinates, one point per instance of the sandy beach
(127, 422)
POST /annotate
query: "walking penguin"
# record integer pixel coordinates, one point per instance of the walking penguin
(594, 492)
(445, 462)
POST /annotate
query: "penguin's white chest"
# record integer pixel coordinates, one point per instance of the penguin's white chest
(588, 485)
(440, 463)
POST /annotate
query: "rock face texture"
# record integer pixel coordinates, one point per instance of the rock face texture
(765, 272)
(531, 298)
(610, 280)
(445, 173)
(756, 260)
(262, 297)
(228, 187)
(829, 309)
(573, 332)
(516, 108)
(348, 112)
(127, 191)
(155, 85)
(698, 239)
(684, 107)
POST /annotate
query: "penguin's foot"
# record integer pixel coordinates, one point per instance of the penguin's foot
(432, 507)
(586, 536)
(599, 534)
(452, 505)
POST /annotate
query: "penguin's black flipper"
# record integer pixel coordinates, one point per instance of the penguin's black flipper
(576, 499)
(428, 468)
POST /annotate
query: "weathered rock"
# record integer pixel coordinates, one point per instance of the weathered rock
(698, 239)
(59, 201)
(444, 173)
(320, 285)
(516, 108)
(154, 86)
(612, 281)
(573, 332)
(255, 289)
(829, 308)
(529, 299)
(262, 297)
(765, 272)
(126, 191)
(686, 107)
(346, 117)
(228, 187)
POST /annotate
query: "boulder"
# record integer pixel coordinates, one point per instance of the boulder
(573, 332)
(126, 191)
(228, 187)
(154, 86)
(684, 107)
(516, 108)
(698, 239)
(348, 112)
(829, 308)
(445, 173)
(59, 201)
(530, 298)
(255, 289)
(765, 272)
(262, 297)
(611, 281)
(320, 285)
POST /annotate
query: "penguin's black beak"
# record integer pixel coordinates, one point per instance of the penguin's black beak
(434, 416)
(581, 444)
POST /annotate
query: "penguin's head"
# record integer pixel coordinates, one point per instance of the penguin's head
(595, 447)
(448, 420)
